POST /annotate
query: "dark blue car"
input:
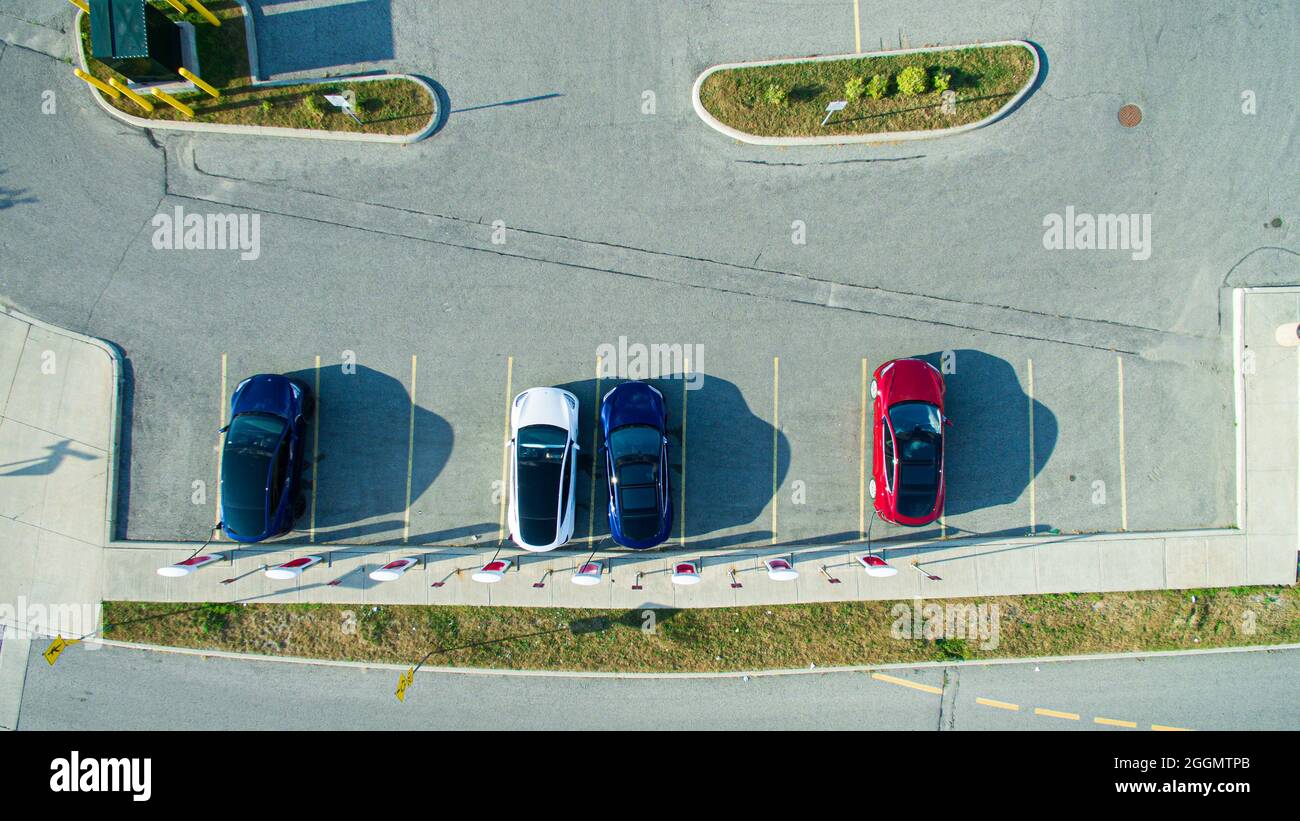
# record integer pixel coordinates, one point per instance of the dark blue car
(261, 460)
(632, 418)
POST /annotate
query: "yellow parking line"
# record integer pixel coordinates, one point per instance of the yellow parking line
(315, 452)
(776, 428)
(216, 520)
(410, 459)
(681, 512)
(1113, 722)
(862, 435)
(857, 28)
(595, 451)
(505, 450)
(902, 682)
(1001, 705)
(1163, 728)
(1033, 501)
(1039, 711)
(1123, 468)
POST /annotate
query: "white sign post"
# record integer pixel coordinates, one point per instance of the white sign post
(831, 108)
(346, 102)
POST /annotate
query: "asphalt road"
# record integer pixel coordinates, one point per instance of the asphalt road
(112, 688)
(653, 227)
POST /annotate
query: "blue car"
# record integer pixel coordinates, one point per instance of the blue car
(261, 459)
(632, 419)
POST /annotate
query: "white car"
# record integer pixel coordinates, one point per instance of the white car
(543, 469)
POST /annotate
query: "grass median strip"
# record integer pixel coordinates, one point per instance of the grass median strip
(389, 106)
(723, 639)
(885, 93)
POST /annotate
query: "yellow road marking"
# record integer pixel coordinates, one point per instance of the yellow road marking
(862, 434)
(595, 451)
(505, 450)
(1033, 501)
(410, 459)
(902, 682)
(217, 515)
(681, 512)
(857, 28)
(1040, 711)
(1113, 722)
(1001, 705)
(315, 452)
(776, 429)
(1163, 728)
(1123, 469)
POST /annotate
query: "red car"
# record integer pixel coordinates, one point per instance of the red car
(907, 426)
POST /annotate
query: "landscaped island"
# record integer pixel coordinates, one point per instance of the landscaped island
(390, 105)
(898, 92)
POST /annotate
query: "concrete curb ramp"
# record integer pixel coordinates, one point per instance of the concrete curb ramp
(264, 130)
(883, 137)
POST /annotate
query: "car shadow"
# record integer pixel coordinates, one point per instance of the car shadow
(727, 468)
(987, 459)
(365, 422)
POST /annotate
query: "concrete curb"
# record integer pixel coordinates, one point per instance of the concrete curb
(889, 136)
(865, 668)
(115, 357)
(262, 130)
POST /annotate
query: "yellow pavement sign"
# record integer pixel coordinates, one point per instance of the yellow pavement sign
(207, 15)
(135, 98)
(57, 647)
(172, 101)
(81, 4)
(99, 84)
(200, 82)
(403, 681)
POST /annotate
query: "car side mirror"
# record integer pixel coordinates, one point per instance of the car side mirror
(948, 422)
(223, 430)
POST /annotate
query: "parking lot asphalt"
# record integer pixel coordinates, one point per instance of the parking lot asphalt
(619, 223)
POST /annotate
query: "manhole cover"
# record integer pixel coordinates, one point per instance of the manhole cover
(1130, 115)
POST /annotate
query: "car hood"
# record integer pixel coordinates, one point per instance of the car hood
(913, 380)
(544, 406)
(264, 393)
(633, 403)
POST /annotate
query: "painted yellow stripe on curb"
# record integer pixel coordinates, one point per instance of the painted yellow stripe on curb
(776, 432)
(902, 682)
(1001, 705)
(595, 451)
(1040, 711)
(505, 451)
(1114, 722)
(857, 28)
(410, 459)
(862, 447)
(1033, 500)
(315, 451)
(1123, 467)
(681, 508)
(1165, 729)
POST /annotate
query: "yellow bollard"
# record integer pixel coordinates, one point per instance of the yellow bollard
(178, 5)
(81, 4)
(102, 86)
(173, 102)
(131, 95)
(207, 15)
(198, 81)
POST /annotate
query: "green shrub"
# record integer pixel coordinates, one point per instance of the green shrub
(878, 86)
(775, 95)
(911, 81)
(313, 105)
(941, 81)
(266, 106)
(853, 88)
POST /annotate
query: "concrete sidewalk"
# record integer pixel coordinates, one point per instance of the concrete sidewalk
(58, 417)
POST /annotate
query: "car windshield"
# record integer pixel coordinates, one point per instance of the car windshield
(634, 443)
(245, 468)
(918, 431)
(540, 454)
